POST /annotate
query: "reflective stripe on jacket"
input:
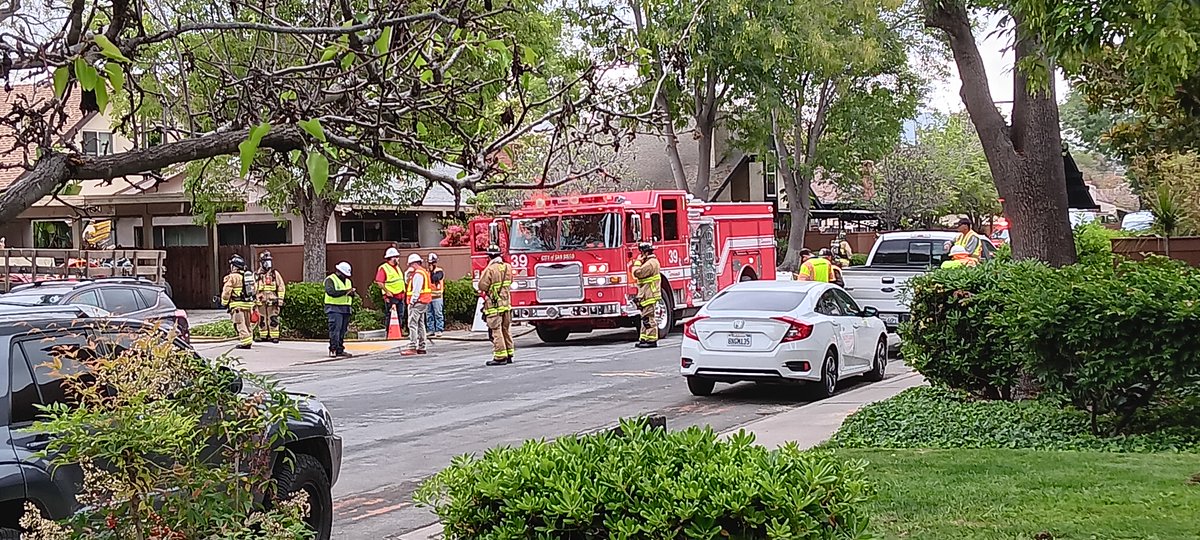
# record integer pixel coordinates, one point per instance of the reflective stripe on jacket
(425, 295)
(341, 285)
(972, 242)
(231, 292)
(495, 283)
(395, 280)
(439, 287)
(649, 284)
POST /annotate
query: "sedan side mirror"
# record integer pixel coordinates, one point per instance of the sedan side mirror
(869, 311)
(235, 379)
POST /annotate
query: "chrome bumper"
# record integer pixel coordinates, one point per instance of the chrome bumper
(566, 311)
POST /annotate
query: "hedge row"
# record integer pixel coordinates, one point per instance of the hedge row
(1103, 337)
(304, 311)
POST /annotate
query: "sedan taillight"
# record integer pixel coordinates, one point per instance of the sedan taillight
(797, 330)
(689, 330)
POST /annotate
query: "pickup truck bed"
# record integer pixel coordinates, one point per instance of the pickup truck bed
(880, 289)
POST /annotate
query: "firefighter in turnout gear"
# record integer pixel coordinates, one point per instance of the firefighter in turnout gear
(271, 290)
(238, 295)
(646, 272)
(495, 283)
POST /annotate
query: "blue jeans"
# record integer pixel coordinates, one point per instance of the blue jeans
(435, 323)
(338, 324)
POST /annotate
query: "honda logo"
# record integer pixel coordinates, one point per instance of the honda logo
(739, 324)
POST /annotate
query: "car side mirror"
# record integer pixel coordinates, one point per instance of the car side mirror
(869, 311)
(235, 379)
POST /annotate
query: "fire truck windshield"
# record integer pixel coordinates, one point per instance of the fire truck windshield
(554, 233)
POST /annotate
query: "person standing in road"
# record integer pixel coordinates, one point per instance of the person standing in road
(495, 284)
(339, 295)
(813, 268)
(271, 290)
(437, 307)
(237, 295)
(420, 295)
(968, 239)
(649, 291)
(390, 279)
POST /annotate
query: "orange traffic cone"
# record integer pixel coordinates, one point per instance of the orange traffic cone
(394, 326)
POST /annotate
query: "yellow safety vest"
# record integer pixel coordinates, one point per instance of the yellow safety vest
(818, 269)
(394, 285)
(338, 284)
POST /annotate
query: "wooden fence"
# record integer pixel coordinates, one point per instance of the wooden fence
(1184, 248)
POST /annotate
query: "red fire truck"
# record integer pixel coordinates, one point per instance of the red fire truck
(570, 255)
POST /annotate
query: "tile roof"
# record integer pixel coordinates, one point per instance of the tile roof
(12, 159)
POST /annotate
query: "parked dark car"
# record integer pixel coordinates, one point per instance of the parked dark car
(30, 336)
(136, 298)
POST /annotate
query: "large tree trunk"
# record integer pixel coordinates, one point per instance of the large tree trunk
(315, 212)
(1026, 160)
(661, 106)
(798, 187)
(706, 123)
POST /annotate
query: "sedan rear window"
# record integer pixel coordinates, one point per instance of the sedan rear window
(778, 301)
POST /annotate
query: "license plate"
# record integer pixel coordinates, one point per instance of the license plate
(890, 318)
(739, 340)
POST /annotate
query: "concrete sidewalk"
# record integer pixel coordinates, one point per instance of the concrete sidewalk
(808, 425)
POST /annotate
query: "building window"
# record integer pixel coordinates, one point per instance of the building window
(52, 235)
(245, 234)
(670, 219)
(97, 143)
(364, 229)
(166, 236)
(770, 174)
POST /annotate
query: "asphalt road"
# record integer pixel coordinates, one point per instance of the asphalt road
(403, 419)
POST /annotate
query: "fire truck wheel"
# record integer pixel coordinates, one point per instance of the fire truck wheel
(552, 335)
(665, 312)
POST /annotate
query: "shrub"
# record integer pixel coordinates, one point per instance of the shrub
(957, 335)
(222, 328)
(460, 300)
(141, 427)
(927, 417)
(304, 311)
(649, 484)
(1093, 244)
(858, 259)
(1108, 340)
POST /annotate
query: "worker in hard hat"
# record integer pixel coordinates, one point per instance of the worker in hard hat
(437, 308)
(646, 270)
(339, 296)
(495, 287)
(968, 239)
(813, 268)
(271, 290)
(390, 280)
(835, 267)
(420, 295)
(237, 295)
(960, 258)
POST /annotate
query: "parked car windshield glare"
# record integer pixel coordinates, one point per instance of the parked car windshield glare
(552, 233)
(775, 301)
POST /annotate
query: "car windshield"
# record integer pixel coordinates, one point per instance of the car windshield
(764, 300)
(32, 298)
(552, 233)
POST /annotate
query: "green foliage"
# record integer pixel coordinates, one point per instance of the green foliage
(140, 426)
(461, 300)
(222, 328)
(1109, 341)
(957, 335)
(932, 417)
(1093, 244)
(649, 484)
(304, 311)
(858, 259)
(1171, 185)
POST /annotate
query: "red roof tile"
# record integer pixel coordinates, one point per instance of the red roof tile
(12, 159)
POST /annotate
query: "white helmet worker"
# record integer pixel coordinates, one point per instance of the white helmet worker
(391, 253)
(344, 268)
(414, 258)
(958, 250)
(433, 257)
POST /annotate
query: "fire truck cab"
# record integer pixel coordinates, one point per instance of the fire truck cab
(571, 255)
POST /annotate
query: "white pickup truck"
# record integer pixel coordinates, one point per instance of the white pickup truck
(894, 259)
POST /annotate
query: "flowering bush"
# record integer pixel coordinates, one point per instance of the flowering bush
(456, 236)
(166, 447)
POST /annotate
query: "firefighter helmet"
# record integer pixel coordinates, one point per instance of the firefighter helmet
(646, 247)
(264, 256)
(493, 251)
(238, 262)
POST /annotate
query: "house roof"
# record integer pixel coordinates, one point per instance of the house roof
(12, 157)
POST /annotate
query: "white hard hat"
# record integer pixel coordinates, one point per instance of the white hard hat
(958, 250)
(433, 257)
(343, 267)
(391, 252)
(414, 258)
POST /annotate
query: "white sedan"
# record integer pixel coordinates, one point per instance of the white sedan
(783, 332)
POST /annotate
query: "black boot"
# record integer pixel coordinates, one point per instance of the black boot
(498, 362)
(244, 347)
(647, 344)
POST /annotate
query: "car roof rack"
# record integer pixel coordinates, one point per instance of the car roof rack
(46, 282)
(13, 311)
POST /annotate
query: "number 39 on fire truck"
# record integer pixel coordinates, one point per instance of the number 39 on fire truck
(570, 255)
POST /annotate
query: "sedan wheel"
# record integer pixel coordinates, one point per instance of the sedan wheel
(879, 367)
(827, 386)
(701, 387)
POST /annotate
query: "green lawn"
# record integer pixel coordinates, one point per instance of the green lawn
(1020, 494)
